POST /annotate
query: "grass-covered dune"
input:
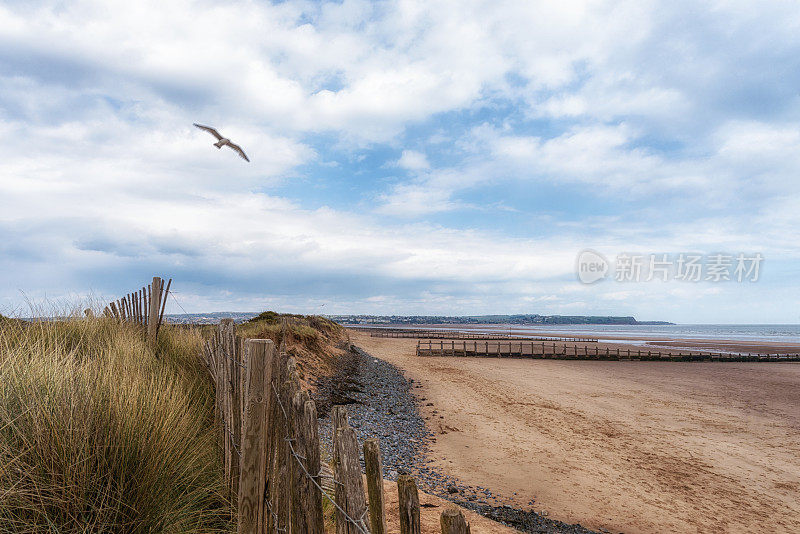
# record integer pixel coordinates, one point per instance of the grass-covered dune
(99, 433)
(315, 342)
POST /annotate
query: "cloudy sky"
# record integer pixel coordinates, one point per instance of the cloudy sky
(407, 157)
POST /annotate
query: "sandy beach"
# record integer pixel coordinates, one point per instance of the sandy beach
(628, 447)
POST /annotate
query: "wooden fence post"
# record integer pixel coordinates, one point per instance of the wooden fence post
(374, 471)
(408, 501)
(254, 454)
(225, 395)
(235, 404)
(453, 522)
(300, 483)
(284, 485)
(276, 432)
(152, 320)
(163, 298)
(312, 497)
(219, 357)
(350, 487)
(339, 417)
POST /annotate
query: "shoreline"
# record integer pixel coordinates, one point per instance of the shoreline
(673, 344)
(381, 403)
(614, 338)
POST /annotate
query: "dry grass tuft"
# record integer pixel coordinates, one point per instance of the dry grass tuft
(99, 433)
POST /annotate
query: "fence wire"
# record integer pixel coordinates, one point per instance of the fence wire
(359, 523)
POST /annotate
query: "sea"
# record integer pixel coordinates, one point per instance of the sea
(778, 333)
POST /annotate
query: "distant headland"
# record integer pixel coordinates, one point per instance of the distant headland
(526, 319)
(523, 319)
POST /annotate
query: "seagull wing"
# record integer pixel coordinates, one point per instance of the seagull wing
(239, 151)
(209, 129)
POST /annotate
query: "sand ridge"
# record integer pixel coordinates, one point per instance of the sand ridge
(625, 446)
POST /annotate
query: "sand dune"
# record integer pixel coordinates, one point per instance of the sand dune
(630, 447)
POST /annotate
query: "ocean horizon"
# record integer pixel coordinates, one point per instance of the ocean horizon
(784, 333)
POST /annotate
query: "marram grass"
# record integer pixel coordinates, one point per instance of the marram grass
(99, 433)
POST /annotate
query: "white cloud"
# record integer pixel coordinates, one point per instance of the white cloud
(100, 168)
(413, 161)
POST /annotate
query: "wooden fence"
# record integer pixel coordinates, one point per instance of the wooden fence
(274, 473)
(438, 334)
(531, 349)
(144, 306)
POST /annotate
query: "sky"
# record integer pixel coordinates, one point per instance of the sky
(407, 157)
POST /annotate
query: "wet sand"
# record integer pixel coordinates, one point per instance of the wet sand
(630, 447)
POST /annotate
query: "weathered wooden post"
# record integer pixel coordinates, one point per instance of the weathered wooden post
(350, 487)
(224, 394)
(284, 486)
(234, 402)
(338, 418)
(374, 471)
(312, 496)
(453, 522)
(254, 440)
(143, 291)
(408, 502)
(276, 432)
(300, 483)
(152, 320)
(163, 297)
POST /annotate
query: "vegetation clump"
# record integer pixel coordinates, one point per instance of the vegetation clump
(101, 433)
(315, 342)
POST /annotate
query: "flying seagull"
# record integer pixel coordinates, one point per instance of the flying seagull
(222, 141)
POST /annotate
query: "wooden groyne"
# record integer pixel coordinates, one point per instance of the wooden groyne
(567, 351)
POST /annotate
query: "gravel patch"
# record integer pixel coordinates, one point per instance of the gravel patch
(381, 404)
